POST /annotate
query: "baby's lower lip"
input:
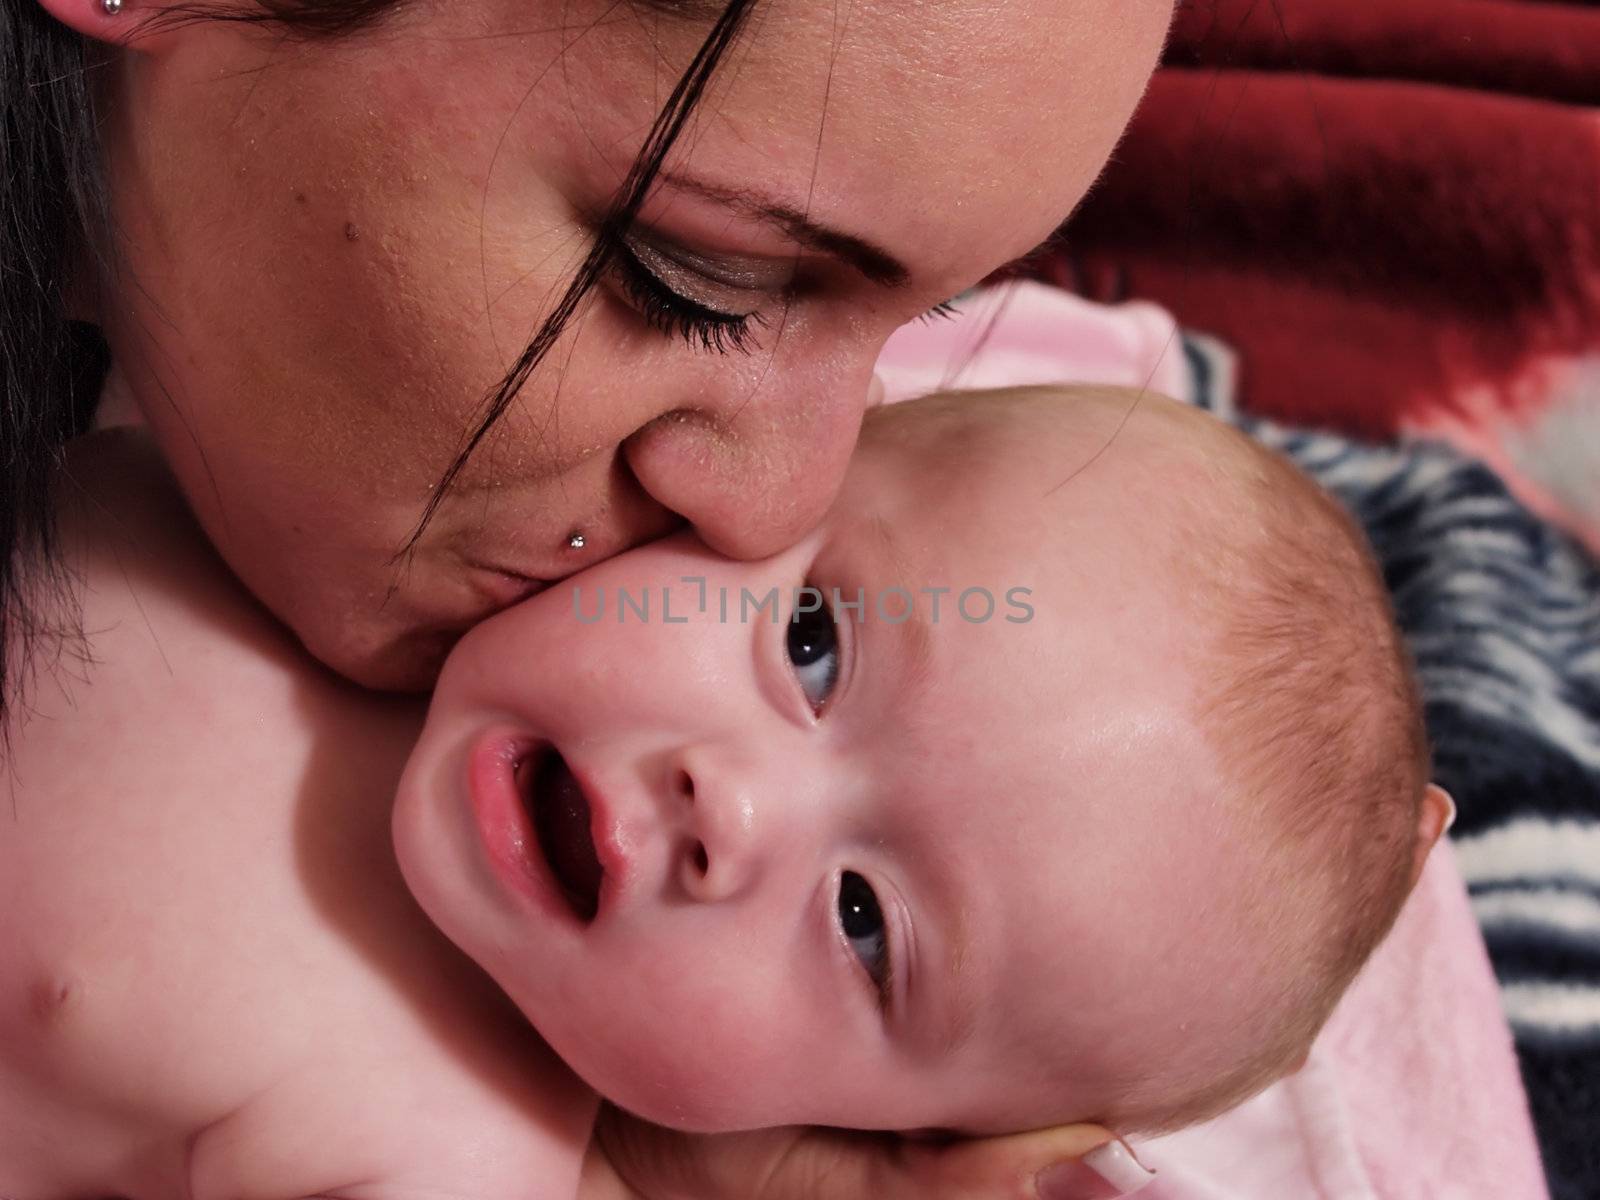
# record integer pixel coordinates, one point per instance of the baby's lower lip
(503, 822)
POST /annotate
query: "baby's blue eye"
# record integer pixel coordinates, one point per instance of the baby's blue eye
(861, 918)
(813, 646)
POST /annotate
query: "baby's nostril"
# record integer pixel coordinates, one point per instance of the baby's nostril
(686, 785)
(702, 861)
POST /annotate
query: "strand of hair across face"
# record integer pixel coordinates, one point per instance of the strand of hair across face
(664, 133)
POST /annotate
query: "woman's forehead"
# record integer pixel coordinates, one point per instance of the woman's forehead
(946, 110)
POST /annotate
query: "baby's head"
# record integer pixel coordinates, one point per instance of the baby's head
(1086, 804)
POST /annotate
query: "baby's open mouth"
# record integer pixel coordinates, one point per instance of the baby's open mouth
(560, 814)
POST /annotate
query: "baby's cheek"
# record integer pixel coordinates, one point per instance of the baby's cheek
(695, 1052)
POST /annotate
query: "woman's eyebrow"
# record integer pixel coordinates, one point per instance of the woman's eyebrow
(874, 262)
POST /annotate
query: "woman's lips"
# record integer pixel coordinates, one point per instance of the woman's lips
(505, 588)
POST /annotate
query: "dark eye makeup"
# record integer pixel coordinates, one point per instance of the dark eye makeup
(667, 310)
(676, 315)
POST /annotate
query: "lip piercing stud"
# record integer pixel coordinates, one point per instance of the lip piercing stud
(111, 7)
(575, 539)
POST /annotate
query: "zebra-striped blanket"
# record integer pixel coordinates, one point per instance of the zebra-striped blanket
(1502, 613)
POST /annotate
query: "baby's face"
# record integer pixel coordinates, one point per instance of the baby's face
(955, 871)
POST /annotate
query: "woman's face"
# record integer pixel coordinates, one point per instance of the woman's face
(332, 251)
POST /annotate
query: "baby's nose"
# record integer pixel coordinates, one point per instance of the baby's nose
(717, 857)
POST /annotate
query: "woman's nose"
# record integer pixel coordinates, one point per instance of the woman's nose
(717, 858)
(754, 474)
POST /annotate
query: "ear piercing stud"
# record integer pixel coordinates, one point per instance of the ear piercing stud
(111, 7)
(575, 540)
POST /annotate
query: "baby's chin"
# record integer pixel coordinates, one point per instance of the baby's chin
(699, 1091)
(686, 1105)
(704, 1100)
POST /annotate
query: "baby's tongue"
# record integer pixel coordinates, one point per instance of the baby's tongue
(561, 819)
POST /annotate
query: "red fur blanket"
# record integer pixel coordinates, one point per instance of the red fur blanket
(1390, 210)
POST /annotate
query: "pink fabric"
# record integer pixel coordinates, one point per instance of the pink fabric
(1025, 333)
(1412, 1091)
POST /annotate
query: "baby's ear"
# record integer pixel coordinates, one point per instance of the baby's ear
(1438, 814)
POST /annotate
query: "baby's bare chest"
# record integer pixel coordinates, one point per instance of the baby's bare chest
(213, 984)
(118, 1079)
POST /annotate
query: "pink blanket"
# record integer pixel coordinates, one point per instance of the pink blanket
(1412, 1091)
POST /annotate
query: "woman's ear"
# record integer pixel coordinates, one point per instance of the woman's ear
(113, 21)
(1438, 814)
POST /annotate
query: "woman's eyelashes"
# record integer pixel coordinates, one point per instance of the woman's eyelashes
(676, 315)
(862, 922)
(711, 305)
(812, 645)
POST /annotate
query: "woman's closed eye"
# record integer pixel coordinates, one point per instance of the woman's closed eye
(717, 314)
(710, 303)
(862, 923)
(813, 648)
